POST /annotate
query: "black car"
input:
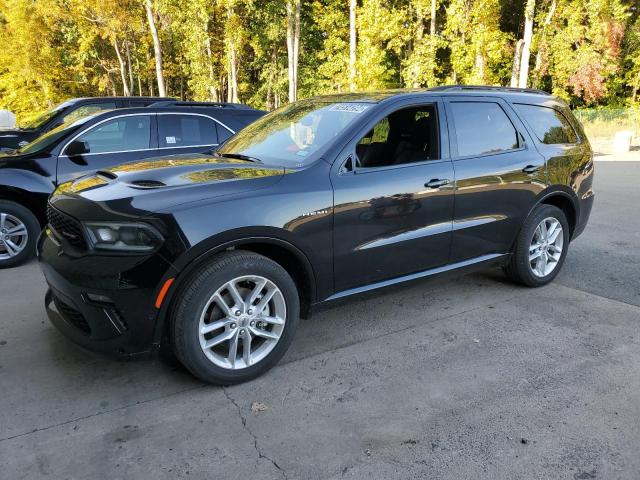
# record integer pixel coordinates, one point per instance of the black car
(218, 255)
(66, 112)
(30, 174)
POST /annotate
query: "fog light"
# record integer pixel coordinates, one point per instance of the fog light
(94, 297)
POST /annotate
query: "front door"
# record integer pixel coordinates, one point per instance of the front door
(117, 140)
(393, 201)
(499, 174)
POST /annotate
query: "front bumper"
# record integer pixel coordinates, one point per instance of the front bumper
(102, 303)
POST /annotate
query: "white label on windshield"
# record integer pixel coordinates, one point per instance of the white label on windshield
(349, 107)
(170, 139)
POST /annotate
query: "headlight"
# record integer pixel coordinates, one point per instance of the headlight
(124, 237)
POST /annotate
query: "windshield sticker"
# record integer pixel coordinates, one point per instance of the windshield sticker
(349, 107)
(170, 139)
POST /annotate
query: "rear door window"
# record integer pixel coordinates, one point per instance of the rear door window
(482, 128)
(549, 125)
(177, 131)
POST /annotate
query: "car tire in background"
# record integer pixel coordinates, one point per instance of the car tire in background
(237, 301)
(19, 230)
(541, 247)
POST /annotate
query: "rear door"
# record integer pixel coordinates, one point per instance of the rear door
(110, 142)
(182, 132)
(499, 174)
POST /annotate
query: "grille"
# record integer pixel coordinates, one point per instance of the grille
(72, 316)
(66, 227)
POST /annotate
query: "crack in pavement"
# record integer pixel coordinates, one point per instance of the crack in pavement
(97, 414)
(243, 419)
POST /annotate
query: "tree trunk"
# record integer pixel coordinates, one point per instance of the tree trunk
(156, 48)
(232, 90)
(432, 30)
(212, 84)
(547, 21)
(129, 66)
(526, 46)
(418, 40)
(138, 71)
(293, 45)
(232, 60)
(517, 55)
(123, 69)
(352, 45)
(479, 67)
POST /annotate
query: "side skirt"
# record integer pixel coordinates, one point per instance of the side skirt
(471, 264)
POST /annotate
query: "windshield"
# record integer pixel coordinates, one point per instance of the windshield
(40, 120)
(294, 135)
(52, 136)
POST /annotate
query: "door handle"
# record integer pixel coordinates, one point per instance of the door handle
(531, 168)
(437, 183)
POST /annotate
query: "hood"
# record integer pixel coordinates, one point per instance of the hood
(15, 138)
(158, 184)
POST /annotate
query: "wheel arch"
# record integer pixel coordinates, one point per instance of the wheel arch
(283, 252)
(27, 200)
(564, 199)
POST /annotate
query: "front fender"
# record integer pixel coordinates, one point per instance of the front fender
(26, 188)
(195, 256)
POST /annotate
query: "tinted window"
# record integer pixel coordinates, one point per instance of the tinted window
(120, 134)
(549, 125)
(88, 109)
(223, 134)
(406, 136)
(186, 130)
(482, 127)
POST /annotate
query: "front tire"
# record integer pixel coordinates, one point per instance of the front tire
(235, 318)
(540, 248)
(19, 230)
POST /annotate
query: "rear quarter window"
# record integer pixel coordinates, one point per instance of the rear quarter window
(548, 124)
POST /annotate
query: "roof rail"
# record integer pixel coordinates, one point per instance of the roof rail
(179, 103)
(450, 88)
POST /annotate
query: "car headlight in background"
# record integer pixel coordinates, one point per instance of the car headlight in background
(123, 237)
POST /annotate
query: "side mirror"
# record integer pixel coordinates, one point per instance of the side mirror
(76, 148)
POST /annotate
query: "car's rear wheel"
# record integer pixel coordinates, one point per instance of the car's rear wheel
(541, 247)
(235, 318)
(19, 231)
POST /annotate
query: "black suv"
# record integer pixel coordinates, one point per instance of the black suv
(75, 108)
(94, 142)
(217, 256)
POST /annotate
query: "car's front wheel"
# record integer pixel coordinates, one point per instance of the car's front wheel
(235, 318)
(541, 247)
(19, 231)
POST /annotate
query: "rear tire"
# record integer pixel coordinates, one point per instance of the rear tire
(540, 248)
(19, 230)
(238, 300)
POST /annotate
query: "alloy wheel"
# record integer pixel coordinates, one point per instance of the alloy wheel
(546, 247)
(242, 322)
(13, 236)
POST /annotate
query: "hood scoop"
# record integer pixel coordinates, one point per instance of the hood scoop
(106, 174)
(147, 184)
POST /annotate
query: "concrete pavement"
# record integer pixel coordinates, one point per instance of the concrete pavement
(466, 378)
